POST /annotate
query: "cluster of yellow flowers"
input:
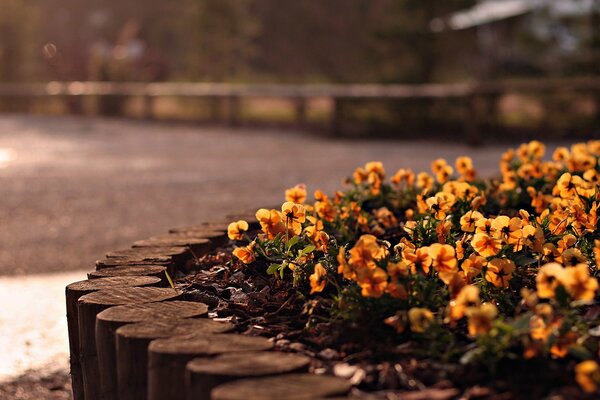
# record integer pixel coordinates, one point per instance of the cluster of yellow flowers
(522, 245)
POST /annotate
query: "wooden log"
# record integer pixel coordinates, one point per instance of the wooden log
(132, 349)
(179, 255)
(167, 359)
(199, 246)
(72, 293)
(289, 387)
(89, 305)
(219, 226)
(109, 320)
(131, 270)
(204, 374)
(122, 262)
(216, 238)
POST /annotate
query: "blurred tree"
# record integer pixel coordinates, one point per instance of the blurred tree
(20, 42)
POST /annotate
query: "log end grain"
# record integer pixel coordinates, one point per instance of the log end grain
(289, 387)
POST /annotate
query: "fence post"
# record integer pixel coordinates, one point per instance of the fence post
(148, 107)
(336, 117)
(234, 110)
(300, 106)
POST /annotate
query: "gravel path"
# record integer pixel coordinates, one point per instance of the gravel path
(73, 188)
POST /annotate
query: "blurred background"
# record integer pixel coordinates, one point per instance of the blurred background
(510, 67)
(122, 119)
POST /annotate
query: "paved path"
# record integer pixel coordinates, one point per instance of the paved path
(73, 188)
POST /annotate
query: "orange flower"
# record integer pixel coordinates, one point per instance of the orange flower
(587, 375)
(485, 245)
(245, 254)
(396, 290)
(317, 279)
(549, 278)
(571, 257)
(420, 319)
(397, 321)
(325, 210)
(481, 318)
(533, 237)
(373, 282)
(468, 297)
(385, 217)
(343, 267)
(297, 194)
(507, 229)
(270, 222)
(417, 259)
(468, 221)
(424, 181)
(443, 257)
(375, 167)
(499, 272)
(473, 266)
(294, 215)
(235, 230)
(404, 175)
(579, 284)
(440, 204)
(365, 252)
(464, 164)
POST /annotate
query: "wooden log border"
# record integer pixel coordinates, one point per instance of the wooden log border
(135, 339)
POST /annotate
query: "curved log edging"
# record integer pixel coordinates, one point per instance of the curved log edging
(131, 337)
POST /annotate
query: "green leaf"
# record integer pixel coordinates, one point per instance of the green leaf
(308, 249)
(273, 268)
(292, 242)
(580, 352)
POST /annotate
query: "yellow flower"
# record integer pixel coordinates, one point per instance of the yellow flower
(373, 282)
(270, 222)
(549, 278)
(420, 319)
(579, 284)
(443, 257)
(481, 318)
(294, 215)
(587, 375)
(468, 221)
(486, 245)
(317, 279)
(235, 230)
(473, 266)
(468, 297)
(297, 194)
(245, 254)
(499, 272)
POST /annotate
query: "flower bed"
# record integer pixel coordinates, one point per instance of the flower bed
(442, 282)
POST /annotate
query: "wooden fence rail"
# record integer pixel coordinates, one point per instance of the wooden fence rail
(476, 96)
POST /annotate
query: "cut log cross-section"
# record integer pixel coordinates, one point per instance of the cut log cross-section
(89, 306)
(109, 320)
(131, 270)
(289, 387)
(132, 349)
(167, 359)
(72, 293)
(203, 374)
